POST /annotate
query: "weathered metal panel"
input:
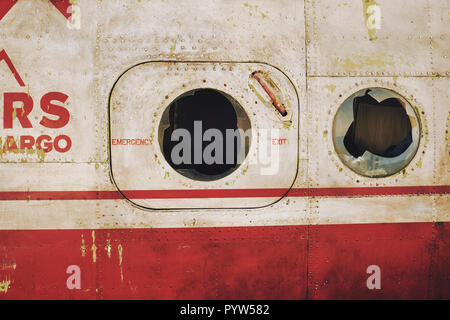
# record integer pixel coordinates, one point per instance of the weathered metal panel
(189, 263)
(403, 251)
(229, 263)
(62, 208)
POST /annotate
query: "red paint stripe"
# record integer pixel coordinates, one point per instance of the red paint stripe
(282, 262)
(224, 193)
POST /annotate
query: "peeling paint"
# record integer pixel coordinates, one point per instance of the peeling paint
(259, 96)
(173, 48)
(419, 163)
(83, 247)
(378, 59)
(287, 124)
(8, 266)
(255, 9)
(108, 248)
(14, 113)
(7, 147)
(372, 17)
(287, 44)
(4, 286)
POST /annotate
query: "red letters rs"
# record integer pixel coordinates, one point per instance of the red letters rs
(24, 105)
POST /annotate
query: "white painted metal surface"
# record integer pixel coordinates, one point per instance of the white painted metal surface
(323, 47)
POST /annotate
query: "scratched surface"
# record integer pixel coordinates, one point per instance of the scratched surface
(328, 52)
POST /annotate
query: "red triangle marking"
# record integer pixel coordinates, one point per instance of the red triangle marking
(61, 5)
(5, 6)
(4, 56)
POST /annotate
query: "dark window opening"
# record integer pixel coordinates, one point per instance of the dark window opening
(214, 110)
(382, 128)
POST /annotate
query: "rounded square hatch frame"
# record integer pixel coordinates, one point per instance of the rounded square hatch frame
(140, 171)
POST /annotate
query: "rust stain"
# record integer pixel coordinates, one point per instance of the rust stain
(83, 247)
(8, 266)
(275, 102)
(371, 12)
(253, 9)
(255, 91)
(330, 87)
(378, 59)
(10, 146)
(173, 48)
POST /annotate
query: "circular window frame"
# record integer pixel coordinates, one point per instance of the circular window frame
(390, 165)
(243, 122)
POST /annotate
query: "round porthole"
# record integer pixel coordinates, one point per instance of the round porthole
(204, 134)
(376, 132)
